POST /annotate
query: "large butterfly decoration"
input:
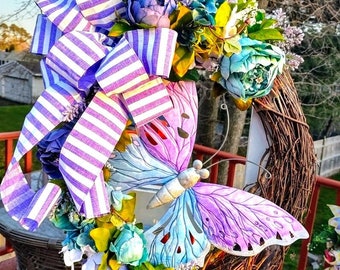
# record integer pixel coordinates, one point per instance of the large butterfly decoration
(200, 214)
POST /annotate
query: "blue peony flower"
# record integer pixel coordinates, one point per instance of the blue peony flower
(49, 150)
(251, 73)
(130, 246)
(151, 12)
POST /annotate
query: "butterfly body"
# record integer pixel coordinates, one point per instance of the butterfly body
(174, 188)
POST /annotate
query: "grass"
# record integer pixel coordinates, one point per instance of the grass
(12, 117)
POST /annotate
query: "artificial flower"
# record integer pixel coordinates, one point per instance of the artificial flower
(251, 73)
(116, 197)
(151, 12)
(93, 261)
(71, 256)
(130, 246)
(49, 150)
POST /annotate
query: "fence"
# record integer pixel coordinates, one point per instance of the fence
(328, 154)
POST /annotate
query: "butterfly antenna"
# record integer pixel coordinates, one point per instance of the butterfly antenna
(224, 107)
(268, 175)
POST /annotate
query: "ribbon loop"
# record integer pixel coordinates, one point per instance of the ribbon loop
(155, 47)
(121, 70)
(65, 14)
(102, 13)
(45, 35)
(76, 55)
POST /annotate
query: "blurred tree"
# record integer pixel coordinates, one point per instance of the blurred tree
(13, 38)
(317, 79)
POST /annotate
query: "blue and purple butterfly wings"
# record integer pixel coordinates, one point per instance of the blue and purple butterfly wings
(230, 219)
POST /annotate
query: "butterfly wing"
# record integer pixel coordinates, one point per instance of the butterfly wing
(178, 238)
(165, 144)
(242, 223)
(335, 221)
(136, 167)
(171, 138)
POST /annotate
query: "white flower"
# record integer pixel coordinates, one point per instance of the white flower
(71, 256)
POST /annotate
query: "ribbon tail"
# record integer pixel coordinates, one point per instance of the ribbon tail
(88, 147)
(41, 205)
(46, 114)
(22, 203)
(148, 101)
(97, 201)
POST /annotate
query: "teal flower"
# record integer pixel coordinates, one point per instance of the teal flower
(251, 73)
(130, 246)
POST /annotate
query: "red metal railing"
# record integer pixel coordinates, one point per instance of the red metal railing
(310, 219)
(201, 152)
(10, 138)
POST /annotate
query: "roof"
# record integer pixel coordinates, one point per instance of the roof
(33, 67)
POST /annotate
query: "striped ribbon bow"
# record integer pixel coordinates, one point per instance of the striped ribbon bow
(78, 55)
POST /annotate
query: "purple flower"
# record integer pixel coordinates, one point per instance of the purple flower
(151, 12)
(49, 149)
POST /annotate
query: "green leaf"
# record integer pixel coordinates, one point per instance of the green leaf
(59, 182)
(266, 34)
(191, 75)
(182, 16)
(254, 28)
(120, 28)
(268, 23)
(259, 16)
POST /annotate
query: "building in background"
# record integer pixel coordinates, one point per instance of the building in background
(20, 77)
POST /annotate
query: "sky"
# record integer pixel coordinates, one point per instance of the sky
(25, 19)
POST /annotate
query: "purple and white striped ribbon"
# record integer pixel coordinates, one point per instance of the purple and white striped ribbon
(45, 35)
(155, 47)
(18, 198)
(65, 14)
(121, 70)
(88, 147)
(102, 13)
(50, 77)
(76, 60)
(76, 55)
(147, 101)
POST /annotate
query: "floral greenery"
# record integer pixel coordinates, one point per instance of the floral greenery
(206, 30)
(104, 241)
(235, 43)
(318, 243)
(212, 31)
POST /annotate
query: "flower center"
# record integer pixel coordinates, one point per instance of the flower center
(256, 78)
